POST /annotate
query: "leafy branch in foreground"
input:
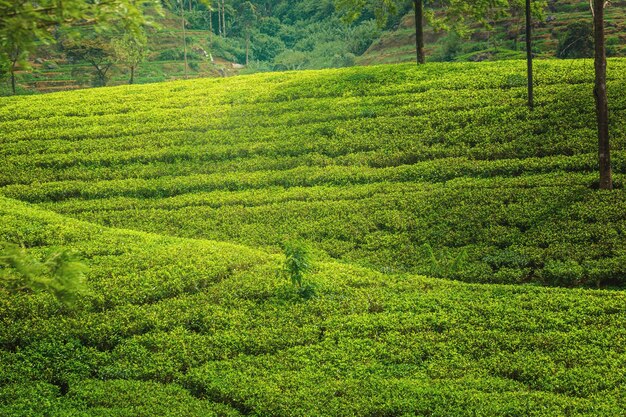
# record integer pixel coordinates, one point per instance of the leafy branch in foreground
(60, 273)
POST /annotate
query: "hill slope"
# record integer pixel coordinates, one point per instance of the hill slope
(367, 164)
(189, 327)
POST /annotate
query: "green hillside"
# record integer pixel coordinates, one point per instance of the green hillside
(368, 165)
(180, 327)
(179, 196)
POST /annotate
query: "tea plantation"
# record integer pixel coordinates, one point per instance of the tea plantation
(179, 196)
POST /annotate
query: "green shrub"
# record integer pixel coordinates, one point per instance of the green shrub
(576, 41)
(568, 273)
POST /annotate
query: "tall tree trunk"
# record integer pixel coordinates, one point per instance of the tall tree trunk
(224, 17)
(12, 69)
(101, 74)
(132, 75)
(602, 108)
(219, 19)
(247, 48)
(529, 55)
(182, 15)
(13, 81)
(210, 29)
(419, 30)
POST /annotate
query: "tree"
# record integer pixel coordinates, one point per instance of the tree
(291, 60)
(248, 18)
(26, 24)
(182, 17)
(15, 54)
(418, 5)
(453, 14)
(97, 51)
(531, 8)
(529, 55)
(517, 13)
(22, 25)
(381, 9)
(599, 91)
(209, 6)
(130, 51)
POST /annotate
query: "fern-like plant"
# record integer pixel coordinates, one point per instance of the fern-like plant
(59, 273)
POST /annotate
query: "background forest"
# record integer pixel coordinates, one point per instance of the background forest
(195, 38)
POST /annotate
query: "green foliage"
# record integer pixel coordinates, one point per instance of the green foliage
(567, 272)
(444, 156)
(99, 52)
(456, 15)
(291, 60)
(180, 322)
(451, 47)
(297, 262)
(60, 273)
(25, 25)
(175, 54)
(266, 48)
(130, 50)
(360, 37)
(209, 334)
(270, 25)
(229, 48)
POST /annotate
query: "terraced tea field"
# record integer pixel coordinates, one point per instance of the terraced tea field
(366, 164)
(179, 196)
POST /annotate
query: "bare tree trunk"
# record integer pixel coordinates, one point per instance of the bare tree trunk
(419, 30)
(13, 81)
(247, 48)
(101, 73)
(210, 28)
(12, 68)
(219, 19)
(529, 55)
(182, 15)
(132, 75)
(602, 108)
(224, 17)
